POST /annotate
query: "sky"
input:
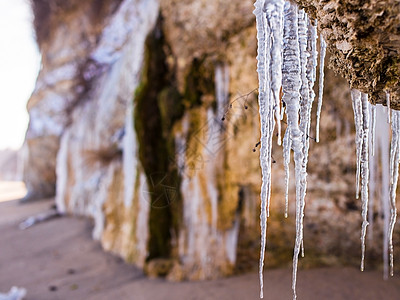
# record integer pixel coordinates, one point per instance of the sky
(19, 65)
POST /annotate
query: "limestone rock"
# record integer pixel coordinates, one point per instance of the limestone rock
(364, 39)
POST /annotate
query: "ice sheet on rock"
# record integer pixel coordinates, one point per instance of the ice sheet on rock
(321, 83)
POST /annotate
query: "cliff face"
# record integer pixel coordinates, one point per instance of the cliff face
(144, 118)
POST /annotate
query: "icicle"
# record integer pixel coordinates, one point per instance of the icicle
(321, 82)
(383, 141)
(373, 125)
(306, 100)
(372, 187)
(311, 66)
(286, 161)
(364, 172)
(357, 108)
(312, 60)
(394, 174)
(388, 106)
(274, 14)
(307, 71)
(373, 168)
(305, 103)
(291, 94)
(267, 125)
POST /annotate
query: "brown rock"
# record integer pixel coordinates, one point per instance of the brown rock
(364, 40)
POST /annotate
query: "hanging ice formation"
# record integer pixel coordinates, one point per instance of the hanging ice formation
(394, 175)
(321, 84)
(380, 154)
(362, 111)
(287, 60)
(266, 107)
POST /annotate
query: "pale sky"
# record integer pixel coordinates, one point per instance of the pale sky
(19, 65)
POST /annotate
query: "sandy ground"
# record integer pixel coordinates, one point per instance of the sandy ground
(57, 259)
(10, 190)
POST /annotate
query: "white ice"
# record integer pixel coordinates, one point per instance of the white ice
(394, 175)
(321, 83)
(357, 108)
(364, 172)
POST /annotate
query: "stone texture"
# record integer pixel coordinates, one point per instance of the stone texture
(364, 39)
(67, 35)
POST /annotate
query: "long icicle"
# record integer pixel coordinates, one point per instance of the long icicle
(364, 172)
(261, 70)
(394, 174)
(291, 94)
(321, 83)
(373, 125)
(305, 104)
(267, 125)
(383, 142)
(312, 62)
(373, 164)
(357, 108)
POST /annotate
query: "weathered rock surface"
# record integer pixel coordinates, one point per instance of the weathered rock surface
(135, 104)
(364, 39)
(67, 34)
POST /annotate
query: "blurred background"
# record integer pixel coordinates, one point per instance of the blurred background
(20, 61)
(141, 116)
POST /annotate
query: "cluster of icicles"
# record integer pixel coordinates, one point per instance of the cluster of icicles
(287, 61)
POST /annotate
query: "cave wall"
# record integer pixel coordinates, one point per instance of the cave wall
(131, 125)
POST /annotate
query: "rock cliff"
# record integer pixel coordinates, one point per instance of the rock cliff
(144, 118)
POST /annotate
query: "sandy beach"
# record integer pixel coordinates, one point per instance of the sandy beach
(57, 259)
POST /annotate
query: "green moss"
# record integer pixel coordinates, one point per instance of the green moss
(171, 108)
(158, 106)
(199, 81)
(156, 102)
